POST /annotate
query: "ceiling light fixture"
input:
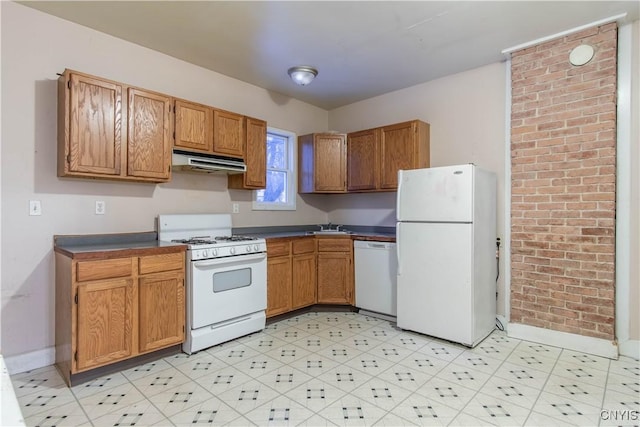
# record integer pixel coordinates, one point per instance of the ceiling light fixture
(302, 75)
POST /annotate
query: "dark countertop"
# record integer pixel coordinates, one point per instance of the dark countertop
(94, 246)
(356, 232)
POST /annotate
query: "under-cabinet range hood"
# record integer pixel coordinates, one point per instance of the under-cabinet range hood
(207, 163)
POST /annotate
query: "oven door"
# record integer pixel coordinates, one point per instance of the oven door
(225, 288)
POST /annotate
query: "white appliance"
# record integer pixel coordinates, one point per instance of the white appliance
(375, 276)
(446, 241)
(226, 279)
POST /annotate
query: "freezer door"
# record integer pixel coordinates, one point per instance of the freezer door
(435, 290)
(443, 194)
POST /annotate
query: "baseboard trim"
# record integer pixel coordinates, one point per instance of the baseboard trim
(28, 361)
(630, 348)
(590, 345)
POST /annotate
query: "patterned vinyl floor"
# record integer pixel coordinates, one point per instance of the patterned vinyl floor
(346, 369)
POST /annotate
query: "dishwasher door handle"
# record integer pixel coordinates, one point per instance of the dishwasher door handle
(377, 245)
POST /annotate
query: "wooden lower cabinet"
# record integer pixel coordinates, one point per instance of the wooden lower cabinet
(104, 329)
(278, 285)
(291, 274)
(112, 309)
(335, 278)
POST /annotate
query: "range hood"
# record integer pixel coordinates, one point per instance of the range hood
(207, 163)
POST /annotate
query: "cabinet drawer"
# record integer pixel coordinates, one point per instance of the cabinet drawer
(278, 248)
(164, 262)
(103, 269)
(304, 246)
(334, 245)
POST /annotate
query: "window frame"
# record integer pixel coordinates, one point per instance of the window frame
(292, 182)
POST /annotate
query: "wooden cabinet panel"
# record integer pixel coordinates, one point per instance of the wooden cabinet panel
(103, 269)
(95, 124)
(104, 322)
(193, 126)
(333, 244)
(148, 143)
(278, 285)
(363, 160)
(157, 263)
(402, 146)
(228, 133)
(255, 157)
(330, 158)
(303, 280)
(161, 310)
(278, 247)
(322, 163)
(334, 278)
(303, 245)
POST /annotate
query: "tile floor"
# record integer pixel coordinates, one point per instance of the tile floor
(321, 369)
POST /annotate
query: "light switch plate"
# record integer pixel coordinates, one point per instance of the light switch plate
(35, 208)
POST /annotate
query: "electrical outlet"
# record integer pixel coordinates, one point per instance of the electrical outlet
(101, 207)
(235, 208)
(35, 208)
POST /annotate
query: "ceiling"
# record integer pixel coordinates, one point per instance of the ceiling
(362, 49)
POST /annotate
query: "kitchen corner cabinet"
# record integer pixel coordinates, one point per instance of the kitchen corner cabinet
(112, 131)
(291, 274)
(112, 309)
(322, 163)
(255, 157)
(335, 270)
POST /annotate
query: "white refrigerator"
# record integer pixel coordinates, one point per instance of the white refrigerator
(446, 248)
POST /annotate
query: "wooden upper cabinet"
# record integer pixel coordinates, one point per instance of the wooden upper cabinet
(402, 146)
(92, 110)
(149, 143)
(255, 157)
(228, 133)
(110, 130)
(193, 126)
(322, 163)
(363, 160)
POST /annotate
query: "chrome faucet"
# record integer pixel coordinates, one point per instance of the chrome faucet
(338, 227)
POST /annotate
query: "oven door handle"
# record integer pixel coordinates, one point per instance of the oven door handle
(230, 259)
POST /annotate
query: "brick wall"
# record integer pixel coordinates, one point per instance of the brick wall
(563, 165)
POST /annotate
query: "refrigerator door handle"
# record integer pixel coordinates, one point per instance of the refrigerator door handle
(398, 204)
(399, 270)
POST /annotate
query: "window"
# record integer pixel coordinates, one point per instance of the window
(280, 193)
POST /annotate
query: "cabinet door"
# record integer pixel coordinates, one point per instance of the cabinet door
(278, 285)
(161, 310)
(330, 163)
(95, 120)
(334, 278)
(104, 322)
(303, 280)
(148, 142)
(193, 126)
(398, 151)
(255, 157)
(363, 160)
(228, 133)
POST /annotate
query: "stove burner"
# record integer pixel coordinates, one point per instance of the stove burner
(235, 238)
(195, 241)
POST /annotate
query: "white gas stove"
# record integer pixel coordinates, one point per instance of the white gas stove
(226, 279)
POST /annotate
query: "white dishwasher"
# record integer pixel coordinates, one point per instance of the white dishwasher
(375, 275)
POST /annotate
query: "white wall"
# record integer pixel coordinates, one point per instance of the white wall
(634, 277)
(466, 112)
(36, 46)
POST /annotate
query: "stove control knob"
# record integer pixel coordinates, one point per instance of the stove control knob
(214, 252)
(255, 248)
(205, 253)
(232, 251)
(248, 248)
